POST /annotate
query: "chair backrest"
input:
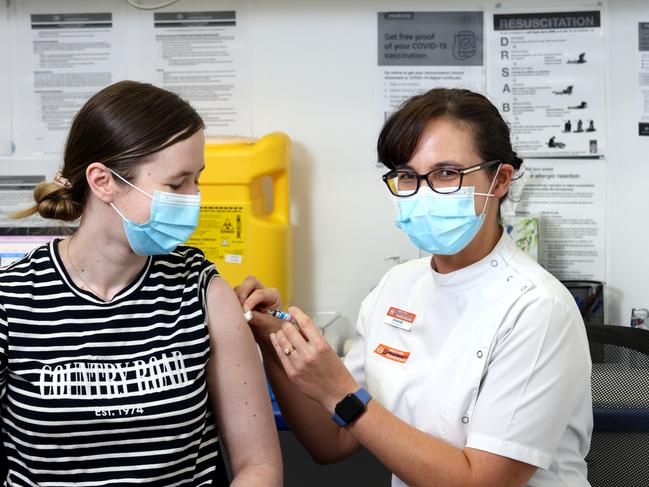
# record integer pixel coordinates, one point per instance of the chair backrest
(620, 385)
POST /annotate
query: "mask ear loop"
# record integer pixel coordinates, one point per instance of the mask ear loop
(131, 185)
(488, 194)
(118, 212)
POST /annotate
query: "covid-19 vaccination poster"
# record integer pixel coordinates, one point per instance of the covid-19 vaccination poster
(547, 77)
(418, 51)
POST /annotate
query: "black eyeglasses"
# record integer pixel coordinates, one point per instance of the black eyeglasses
(443, 180)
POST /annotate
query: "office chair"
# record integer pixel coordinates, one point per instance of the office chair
(620, 387)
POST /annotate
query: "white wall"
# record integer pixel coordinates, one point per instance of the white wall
(628, 168)
(314, 77)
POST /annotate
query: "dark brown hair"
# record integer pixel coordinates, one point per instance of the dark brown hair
(120, 126)
(401, 132)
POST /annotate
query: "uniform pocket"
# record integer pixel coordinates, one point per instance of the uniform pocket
(463, 394)
(387, 379)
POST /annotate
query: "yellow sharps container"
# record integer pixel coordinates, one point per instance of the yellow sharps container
(244, 225)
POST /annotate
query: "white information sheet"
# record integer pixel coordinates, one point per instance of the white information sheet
(643, 77)
(418, 51)
(61, 60)
(204, 56)
(5, 83)
(16, 193)
(568, 198)
(547, 77)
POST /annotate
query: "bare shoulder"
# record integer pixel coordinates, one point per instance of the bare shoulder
(225, 317)
(219, 290)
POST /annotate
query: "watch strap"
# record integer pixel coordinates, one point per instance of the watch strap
(338, 420)
(364, 397)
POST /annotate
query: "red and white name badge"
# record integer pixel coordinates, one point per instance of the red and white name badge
(400, 318)
(392, 353)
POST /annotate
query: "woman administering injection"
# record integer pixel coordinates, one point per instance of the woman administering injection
(477, 358)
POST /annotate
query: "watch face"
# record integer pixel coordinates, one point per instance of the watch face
(349, 408)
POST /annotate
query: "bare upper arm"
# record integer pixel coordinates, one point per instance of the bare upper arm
(237, 385)
(491, 470)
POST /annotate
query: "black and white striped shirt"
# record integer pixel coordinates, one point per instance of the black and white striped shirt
(101, 393)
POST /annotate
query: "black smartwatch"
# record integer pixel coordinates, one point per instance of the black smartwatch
(351, 407)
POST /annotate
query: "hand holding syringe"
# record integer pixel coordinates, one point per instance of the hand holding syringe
(279, 314)
(262, 308)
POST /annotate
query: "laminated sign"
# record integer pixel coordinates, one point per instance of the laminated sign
(220, 233)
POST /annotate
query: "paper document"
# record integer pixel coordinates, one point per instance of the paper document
(61, 60)
(643, 77)
(418, 51)
(5, 83)
(547, 78)
(568, 198)
(203, 56)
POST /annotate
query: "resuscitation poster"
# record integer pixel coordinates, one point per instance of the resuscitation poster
(418, 51)
(643, 77)
(61, 58)
(568, 198)
(547, 77)
(204, 56)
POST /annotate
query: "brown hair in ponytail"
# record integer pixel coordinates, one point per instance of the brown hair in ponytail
(120, 126)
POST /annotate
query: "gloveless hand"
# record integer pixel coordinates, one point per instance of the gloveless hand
(312, 365)
(253, 296)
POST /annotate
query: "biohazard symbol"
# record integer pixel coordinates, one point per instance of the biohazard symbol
(227, 226)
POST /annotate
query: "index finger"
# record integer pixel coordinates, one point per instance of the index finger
(246, 288)
(305, 323)
(262, 299)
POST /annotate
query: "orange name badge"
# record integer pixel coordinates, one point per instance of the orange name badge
(400, 318)
(392, 353)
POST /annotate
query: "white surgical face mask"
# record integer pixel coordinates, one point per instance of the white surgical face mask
(442, 224)
(173, 219)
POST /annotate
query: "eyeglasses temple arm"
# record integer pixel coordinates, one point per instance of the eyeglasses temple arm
(479, 167)
(473, 169)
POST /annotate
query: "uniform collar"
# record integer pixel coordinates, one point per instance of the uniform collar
(479, 272)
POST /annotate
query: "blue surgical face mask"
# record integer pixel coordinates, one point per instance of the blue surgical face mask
(441, 224)
(173, 219)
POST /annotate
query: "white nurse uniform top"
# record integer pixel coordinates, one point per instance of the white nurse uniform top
(493, 357)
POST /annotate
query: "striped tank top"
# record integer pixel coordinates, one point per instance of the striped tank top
(112, 393)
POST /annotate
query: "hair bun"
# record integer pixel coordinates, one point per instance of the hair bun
(55, 201)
